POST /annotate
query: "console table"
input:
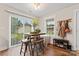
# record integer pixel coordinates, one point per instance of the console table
(62, 43)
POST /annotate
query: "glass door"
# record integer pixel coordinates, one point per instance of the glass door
(19, 26)
(16, 31)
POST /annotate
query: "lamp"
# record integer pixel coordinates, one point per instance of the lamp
(36, 5)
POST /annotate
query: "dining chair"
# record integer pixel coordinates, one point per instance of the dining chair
(36, 46)
(24, 43)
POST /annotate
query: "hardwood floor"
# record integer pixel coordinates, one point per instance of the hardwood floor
(49, 51)
(77, 52)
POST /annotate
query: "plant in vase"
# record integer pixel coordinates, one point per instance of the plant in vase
(35, 22)
(37, 31)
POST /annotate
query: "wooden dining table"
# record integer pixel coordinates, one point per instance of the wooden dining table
(35, 37)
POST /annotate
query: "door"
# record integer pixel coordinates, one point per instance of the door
(16, 31)
(19, 26)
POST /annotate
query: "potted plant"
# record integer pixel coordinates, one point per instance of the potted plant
(35, 22)
(37, 31)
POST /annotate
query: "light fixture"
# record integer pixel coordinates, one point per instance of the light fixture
(36, 5)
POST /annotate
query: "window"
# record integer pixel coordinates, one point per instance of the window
(19, 26)
(50, 26)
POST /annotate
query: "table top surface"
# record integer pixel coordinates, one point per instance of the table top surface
(35, 34)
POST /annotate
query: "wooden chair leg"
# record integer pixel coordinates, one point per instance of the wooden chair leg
(43, 47)
(30, 49)
(37, 53)
(37, 49)
(25, 49)
(21, 48)
(32, 52)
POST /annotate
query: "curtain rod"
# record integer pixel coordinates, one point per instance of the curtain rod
(17, 14)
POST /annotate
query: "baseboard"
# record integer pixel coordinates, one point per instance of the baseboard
(4, 50)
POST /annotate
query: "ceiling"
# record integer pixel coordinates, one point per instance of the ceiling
(44, 10)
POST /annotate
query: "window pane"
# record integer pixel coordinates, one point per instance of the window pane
(19, 26)
(50, 26)
(16, 30)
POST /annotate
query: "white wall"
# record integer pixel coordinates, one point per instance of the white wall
(4, 29)
(63, 14)
(4, 25)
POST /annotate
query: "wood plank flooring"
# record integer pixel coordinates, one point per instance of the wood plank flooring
(77, 52)
(49, 51)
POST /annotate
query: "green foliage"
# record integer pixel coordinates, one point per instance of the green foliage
(50, 33)
(37, 30)
(35, 21)
(15, 24)
(18, 36)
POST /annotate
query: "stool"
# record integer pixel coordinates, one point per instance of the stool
(37, 46)
(25, 42)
